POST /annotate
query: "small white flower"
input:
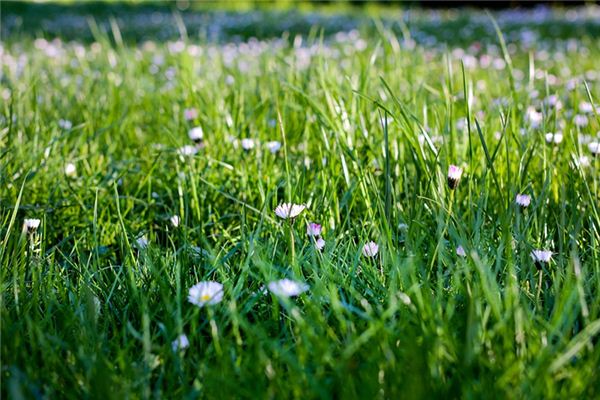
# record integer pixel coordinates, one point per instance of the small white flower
(70, 170)
(320, 244)
(555, 138)
(594, 148)
(541, 256)
(274, 146)
(175, 220)
(31, 224)
(180, 343)
(403, 226)
(370, 249)
(196, 134)
(287, 288)
(586, 107)
(583, 161)
(187, 150)
(190, 114)
(534, 117)
(461, 251)
(289, 210)
(454, 175)
(580, 120)
(65, 124)
(206, 292)
(523, 200)
(313, 229)
(141, 242)
(247, 144)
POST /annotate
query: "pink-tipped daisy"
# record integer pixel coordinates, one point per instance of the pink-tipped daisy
(190, 114)
(370, 249)
(289, 210)
(454, 175)
(313, 229)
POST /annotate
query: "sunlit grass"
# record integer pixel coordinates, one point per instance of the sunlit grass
(428, 282)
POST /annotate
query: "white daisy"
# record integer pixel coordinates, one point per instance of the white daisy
(554, 138)
(523, 200)
(65, 124)
(594, 148)
(175, 220)
(461, 251)
(370, 249)
(454, 175)
(541, 257)
(180, 343)
(70, 170)
(247, 144)
(206, 292)
(196, 134)
(320, 244)
(187, 150)
(31, 224)
(287, 288)
(289, 210)
(142, 242)
(274, 146)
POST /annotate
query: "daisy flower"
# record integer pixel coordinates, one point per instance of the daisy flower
(141, 242)
(190, 114)
(70, 170)
(594, 148)
(274, 146)
(454, 175)
(65, 124)
(534, 117)
(206, 292)
(31, 224)
(289, 210)
(580, 120)
(370, 249)
(313, 229)
(541, 257)
(175, 220)
(287, 288)
(247, 144)
(460, 251)
(554, 138)
(523, 200)
(187, 150)
(180, 343)
(196, 134)
(320, 244)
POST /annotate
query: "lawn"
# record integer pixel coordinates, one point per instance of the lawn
(318, 203)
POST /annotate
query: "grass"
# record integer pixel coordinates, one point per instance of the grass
(368, 129)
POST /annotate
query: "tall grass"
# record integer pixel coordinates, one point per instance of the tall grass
(369, 125)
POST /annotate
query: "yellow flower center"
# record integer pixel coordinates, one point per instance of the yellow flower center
(205, 297)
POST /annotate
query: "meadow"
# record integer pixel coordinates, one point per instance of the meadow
(299, 204)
